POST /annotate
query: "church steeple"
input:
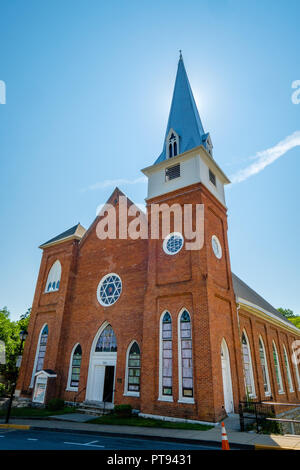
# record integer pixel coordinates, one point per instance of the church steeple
(184, 128)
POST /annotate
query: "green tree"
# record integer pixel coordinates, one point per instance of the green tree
(9, 334)
(286, 312)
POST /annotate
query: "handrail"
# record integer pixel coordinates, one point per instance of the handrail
(77, 394)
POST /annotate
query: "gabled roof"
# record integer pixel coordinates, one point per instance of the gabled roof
(184, 117)
(74, 232)
(244, 292)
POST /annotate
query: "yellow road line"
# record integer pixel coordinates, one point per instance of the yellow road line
(14, 426)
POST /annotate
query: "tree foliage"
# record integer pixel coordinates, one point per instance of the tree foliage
(9, 334)
(290, 315)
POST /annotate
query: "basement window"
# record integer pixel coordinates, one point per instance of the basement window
(172, 172)
(212, 178)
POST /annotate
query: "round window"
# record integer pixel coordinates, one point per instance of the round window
(216, 245)
(173, 243)
(109, 289)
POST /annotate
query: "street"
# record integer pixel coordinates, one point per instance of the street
(12, 439)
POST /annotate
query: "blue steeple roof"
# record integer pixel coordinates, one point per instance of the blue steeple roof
(184, 118)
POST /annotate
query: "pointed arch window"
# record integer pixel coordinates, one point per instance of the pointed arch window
(166, 358)
(295, 362)
(264, 367)
(288, 370)
(53, 279)
(172, 144)
(40, 352)
(107, 341)
(186, 386)
(248, 370)
(75, 364)
(133, 369)
(277, 368)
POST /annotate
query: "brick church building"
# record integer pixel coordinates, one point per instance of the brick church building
(147, 322)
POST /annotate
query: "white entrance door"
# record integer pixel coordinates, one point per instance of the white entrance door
(226, 375)
(98, 383)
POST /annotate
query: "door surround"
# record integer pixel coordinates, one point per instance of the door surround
(226, 378)
(99, 359)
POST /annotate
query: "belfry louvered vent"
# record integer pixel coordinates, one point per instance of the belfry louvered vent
(172, 172)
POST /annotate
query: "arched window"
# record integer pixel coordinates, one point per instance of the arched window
(249, 379)
(133, 369)
(185, 360)
(74, 372)
(107, 341)
(264, 367)
(53, 279)
(295, 362)
(288, 370)
(166, 358)
(172, 144)
(277, 368)
(40, 352)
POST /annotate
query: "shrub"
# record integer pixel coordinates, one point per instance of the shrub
(56, 404)
(123, 410)
(2, 390)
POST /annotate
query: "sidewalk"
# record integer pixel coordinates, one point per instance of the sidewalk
(212, 436)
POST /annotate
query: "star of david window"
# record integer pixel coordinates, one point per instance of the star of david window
(173, 243)
(109, 289)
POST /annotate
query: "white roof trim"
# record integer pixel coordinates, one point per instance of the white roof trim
(240, 300)
(43, 372)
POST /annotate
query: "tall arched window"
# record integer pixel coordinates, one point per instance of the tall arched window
(249, 379)
(185, 358)
(288, 370)
(166, 358)
(74, 371)
(264, 367)
(40, 352)
(277, 368)
(133, 372)
(53, 278)
(107, 341)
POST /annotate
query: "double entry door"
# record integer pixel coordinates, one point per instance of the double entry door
(103, 383)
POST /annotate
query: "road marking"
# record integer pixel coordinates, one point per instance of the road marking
(88, 444)
(31, 439)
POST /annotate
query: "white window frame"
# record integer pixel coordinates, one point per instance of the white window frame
(37, 353)
(128, 393)
(220, 252)
(181, 398)
(288, 369)
(269, 391)
(99, 287)
(162, 397)
(253, 394)
(165, 243)
(280, 385)
(54, 275)
(295, 362)
(171, 131)
(69, 388)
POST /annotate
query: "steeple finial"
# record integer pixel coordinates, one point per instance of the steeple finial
(180, 54)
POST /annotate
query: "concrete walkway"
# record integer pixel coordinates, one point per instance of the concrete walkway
(212, 436)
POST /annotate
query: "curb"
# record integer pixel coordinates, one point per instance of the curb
(15, 426)
(264, 447)
(146, 436)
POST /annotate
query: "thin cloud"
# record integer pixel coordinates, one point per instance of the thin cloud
(116, 182)
(266, 157)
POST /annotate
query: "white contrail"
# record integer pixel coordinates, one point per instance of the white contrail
(266, 157)
(117, 182)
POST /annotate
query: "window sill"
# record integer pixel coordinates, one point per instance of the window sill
(131, 394)
(70, 389)
(282, 392)
(187, 400)
(169, 399)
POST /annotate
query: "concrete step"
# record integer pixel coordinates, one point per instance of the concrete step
(95, 408)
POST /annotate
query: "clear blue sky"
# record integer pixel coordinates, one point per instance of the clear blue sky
(89, 85)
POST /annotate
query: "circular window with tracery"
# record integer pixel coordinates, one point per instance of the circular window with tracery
(109, 289)
(173, 243)
(216, 245)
